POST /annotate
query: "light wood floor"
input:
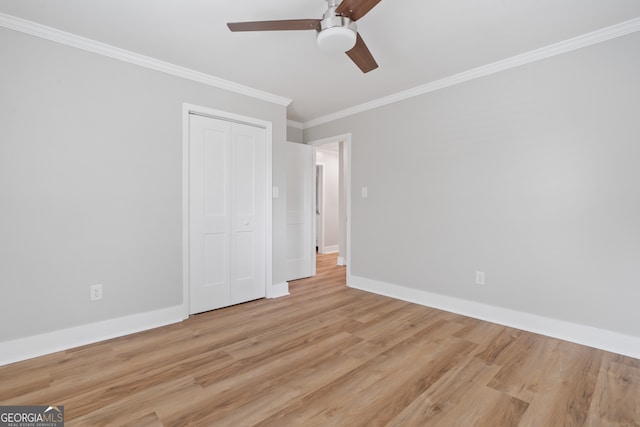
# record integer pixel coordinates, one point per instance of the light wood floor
(328, 355)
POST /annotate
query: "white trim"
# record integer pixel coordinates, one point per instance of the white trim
(340, 261)
(344, 137)
(278, 290)
(68, 39)
(568, 331)
(186, 278)
(223, 115)
(347, 177)
(269, 209)
(64, 339)
(318, 234)
(296, 125)
(330, 249)
(314, 209)
(569, 45)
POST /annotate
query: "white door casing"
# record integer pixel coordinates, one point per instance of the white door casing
(227, 213)
(319, 207)
(300, 252)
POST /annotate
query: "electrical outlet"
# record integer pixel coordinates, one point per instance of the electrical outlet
(96, 292)
(480, 278)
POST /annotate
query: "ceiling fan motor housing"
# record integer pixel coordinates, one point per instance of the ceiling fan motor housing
(337, 33)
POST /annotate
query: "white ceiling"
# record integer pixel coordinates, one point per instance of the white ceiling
(414, 41)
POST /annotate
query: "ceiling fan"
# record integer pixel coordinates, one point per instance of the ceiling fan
(337, 30)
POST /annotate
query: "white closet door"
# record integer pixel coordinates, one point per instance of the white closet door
(227, 213)
(248, 213)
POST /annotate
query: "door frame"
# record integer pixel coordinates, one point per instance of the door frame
(188, 109)
(319, 232)
(346, 140)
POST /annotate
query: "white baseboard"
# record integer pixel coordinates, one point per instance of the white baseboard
(329, 249)
(278, 290)
(341, 261)
(586, 335)
(64, 339)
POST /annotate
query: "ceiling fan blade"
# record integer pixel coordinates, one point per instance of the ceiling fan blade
(362, 57)
(356, 9)
(292, 24)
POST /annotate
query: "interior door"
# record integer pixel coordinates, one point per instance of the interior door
(300, 249)
(227, 227)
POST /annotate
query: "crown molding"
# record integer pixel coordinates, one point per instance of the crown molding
(585, 40)
(294, 124)
(69, 39)
(73, 40)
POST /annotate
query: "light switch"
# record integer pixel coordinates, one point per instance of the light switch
(365, 192)
(276, 192)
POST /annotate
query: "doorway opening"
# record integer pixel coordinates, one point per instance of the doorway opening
(311, 228)
(332, 197)
(327, 198)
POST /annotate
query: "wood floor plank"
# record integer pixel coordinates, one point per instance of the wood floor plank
(329, 355)
(225, 395)
(404, 386)
(446, 394)
(28, 382)
(286, 350)
(634, 363)
(317, 408)
(134, 409)
(616, 400)
(378, 310)
(502, 410)
(302, 332)
(507, 412)
(137, 383)
(312, 377)
(497, 341)
(376, 340)
(566, 391)
(521, 375)
(406, 318)
(148, 420)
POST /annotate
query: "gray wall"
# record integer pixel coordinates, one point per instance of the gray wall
(91, 184)
(531, 175)
(295, 134)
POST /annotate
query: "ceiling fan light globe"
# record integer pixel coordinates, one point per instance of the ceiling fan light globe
(336, 39)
